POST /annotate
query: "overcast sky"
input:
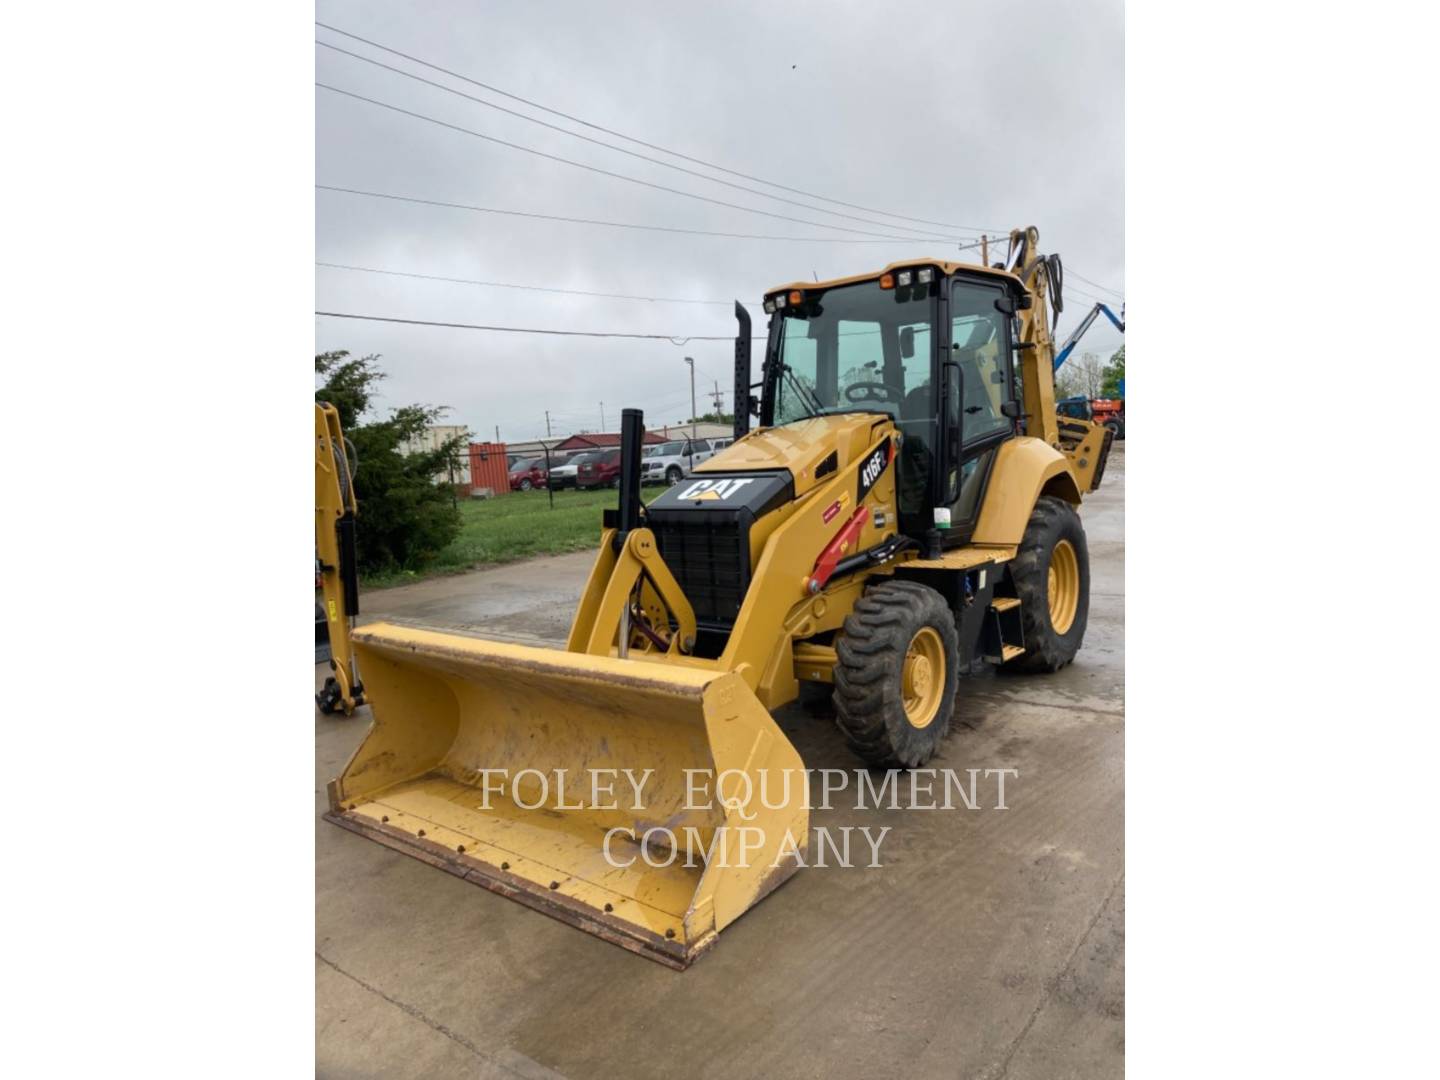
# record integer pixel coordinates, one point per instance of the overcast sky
(974, 114)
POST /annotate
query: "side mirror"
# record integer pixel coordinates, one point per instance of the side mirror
(1010, 409)
(907, 342)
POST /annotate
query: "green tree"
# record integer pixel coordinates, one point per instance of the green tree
(1114, 372)
(405, 516)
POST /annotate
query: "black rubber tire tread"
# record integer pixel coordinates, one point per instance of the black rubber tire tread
(869, 708)
(1052, 520)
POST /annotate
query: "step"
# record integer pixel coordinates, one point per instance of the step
(1010, 652)
(1005, 603)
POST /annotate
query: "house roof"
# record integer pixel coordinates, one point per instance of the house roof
(602, 440)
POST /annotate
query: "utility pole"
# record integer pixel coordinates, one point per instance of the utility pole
(602, 416)
(497, 433)
(547, 423)
(691, 361)
(719, 396)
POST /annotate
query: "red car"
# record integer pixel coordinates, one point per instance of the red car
(602, 470)
(528, 474)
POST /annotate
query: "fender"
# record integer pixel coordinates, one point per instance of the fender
(1024, 469)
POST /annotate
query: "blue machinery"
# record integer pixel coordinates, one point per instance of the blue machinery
(1079, 331)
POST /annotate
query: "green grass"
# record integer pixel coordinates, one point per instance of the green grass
(520, 525)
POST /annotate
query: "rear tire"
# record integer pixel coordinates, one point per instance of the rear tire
(896, 676)
(525, 485)
(1052, 578)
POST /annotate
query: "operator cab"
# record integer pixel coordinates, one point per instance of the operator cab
(929, 345)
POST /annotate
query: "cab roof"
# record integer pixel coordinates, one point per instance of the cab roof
(905, 264)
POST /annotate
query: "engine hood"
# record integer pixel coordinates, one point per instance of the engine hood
(801, 448)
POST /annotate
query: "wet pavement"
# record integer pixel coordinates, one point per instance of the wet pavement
(989, 943)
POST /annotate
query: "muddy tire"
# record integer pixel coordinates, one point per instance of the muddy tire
(896, 676)
(1051, 573)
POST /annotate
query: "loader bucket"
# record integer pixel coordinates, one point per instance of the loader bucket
(582, 786)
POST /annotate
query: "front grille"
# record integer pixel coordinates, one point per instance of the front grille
(709, 554)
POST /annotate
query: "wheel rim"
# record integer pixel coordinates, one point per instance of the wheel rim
(923, 677)
(1064, 586)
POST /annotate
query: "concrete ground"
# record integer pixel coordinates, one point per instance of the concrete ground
(989, 944)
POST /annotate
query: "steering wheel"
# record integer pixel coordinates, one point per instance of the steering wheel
(887, 392)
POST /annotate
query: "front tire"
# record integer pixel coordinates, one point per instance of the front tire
(673, 475)
(896, 676)
(525, 485)
(1052, 579)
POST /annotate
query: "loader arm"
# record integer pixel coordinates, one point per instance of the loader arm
(335, 552)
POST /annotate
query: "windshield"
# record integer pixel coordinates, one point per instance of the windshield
(856, 348)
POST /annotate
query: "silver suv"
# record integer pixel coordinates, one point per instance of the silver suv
(671, 462)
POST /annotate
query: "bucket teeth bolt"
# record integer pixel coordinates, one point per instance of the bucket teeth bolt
(384, 817)
(669, 931)
(554, 884)
(609, 907)
(504, 866)
(460, 848)
(420, 833)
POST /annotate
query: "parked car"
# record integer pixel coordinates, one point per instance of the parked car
(528, 473)
(671, 462)
(564, 475)
(601, 470)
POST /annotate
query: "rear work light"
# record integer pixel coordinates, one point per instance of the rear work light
(926, 275)
(904, 278)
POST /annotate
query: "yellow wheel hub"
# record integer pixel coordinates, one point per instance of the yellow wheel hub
(923, 677)
(1064, 586)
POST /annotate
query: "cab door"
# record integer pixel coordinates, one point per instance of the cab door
(979, 406)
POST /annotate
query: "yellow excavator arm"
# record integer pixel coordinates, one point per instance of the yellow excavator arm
(335, 556)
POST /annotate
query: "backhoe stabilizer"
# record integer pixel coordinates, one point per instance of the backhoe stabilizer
(650, 804)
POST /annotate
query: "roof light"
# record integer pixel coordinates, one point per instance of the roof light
(887, 281)
(779, 301)
(770, 306)
(795, 296)
(904, 278)
(925, 275)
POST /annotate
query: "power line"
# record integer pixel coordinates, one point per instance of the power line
(621, 150)
(1102, 288)
(619, 224)
(674, 339)
(604, 172)
(641, 142)
(525, 288)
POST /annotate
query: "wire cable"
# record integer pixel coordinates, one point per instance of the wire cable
(674, 339)
(621, 150)
(524, 288)
(1096, 284)
(604, 172)
(619, 224)
(642, 142)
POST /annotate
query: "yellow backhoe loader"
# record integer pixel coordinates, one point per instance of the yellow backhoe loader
(904, 510)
